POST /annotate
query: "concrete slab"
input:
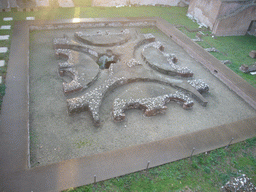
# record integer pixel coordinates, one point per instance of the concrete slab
(16, 174)
(7, 18)
(2, 63)
(3, 49)
(5, 27)
(4, 37)
(30, 18)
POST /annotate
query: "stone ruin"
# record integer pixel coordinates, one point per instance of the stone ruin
(239, 184)
(225, 17)
(114, 52)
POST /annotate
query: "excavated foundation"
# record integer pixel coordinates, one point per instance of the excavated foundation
(97, 106)
(92, 99)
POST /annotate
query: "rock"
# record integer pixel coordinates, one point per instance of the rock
(239, 184)
(186, 189)
(248, 68)
(252, 54)
(225, 62)
(212, 49)
(244, 68)
(197, 39)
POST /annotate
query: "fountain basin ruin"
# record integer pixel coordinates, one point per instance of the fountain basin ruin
(85, 92)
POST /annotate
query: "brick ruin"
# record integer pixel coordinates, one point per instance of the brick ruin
(225, 17)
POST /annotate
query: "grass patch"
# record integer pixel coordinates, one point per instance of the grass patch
(205, 172)
(82, 3)
(149, 30)
(83, 143)
(2, 92)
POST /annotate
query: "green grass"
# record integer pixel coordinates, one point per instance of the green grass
(83, 143)
(205, 172)
(2, 92)
(233, 48)
(82, 3)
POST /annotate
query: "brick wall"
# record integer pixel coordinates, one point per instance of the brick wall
(206, 11)
(224, 17)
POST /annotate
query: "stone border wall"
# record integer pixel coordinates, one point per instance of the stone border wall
(117, 3)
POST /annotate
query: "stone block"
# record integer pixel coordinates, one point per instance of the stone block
(5, 27)
(3, 49)
(7, 18)
(4, 37)
(2, 63)
(30, 18)
(248, 68)
(252, 54)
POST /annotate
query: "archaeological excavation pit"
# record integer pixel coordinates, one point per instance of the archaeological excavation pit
(106, 96)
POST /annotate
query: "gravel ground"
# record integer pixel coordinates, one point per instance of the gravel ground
(57, 136)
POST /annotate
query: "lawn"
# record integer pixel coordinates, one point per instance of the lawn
(204, 172)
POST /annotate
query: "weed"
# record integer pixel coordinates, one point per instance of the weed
(195, 165)
(82, 3)
(206, 169)
(83, 143)
(149, 30)
(251, 142)
(2, 93)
